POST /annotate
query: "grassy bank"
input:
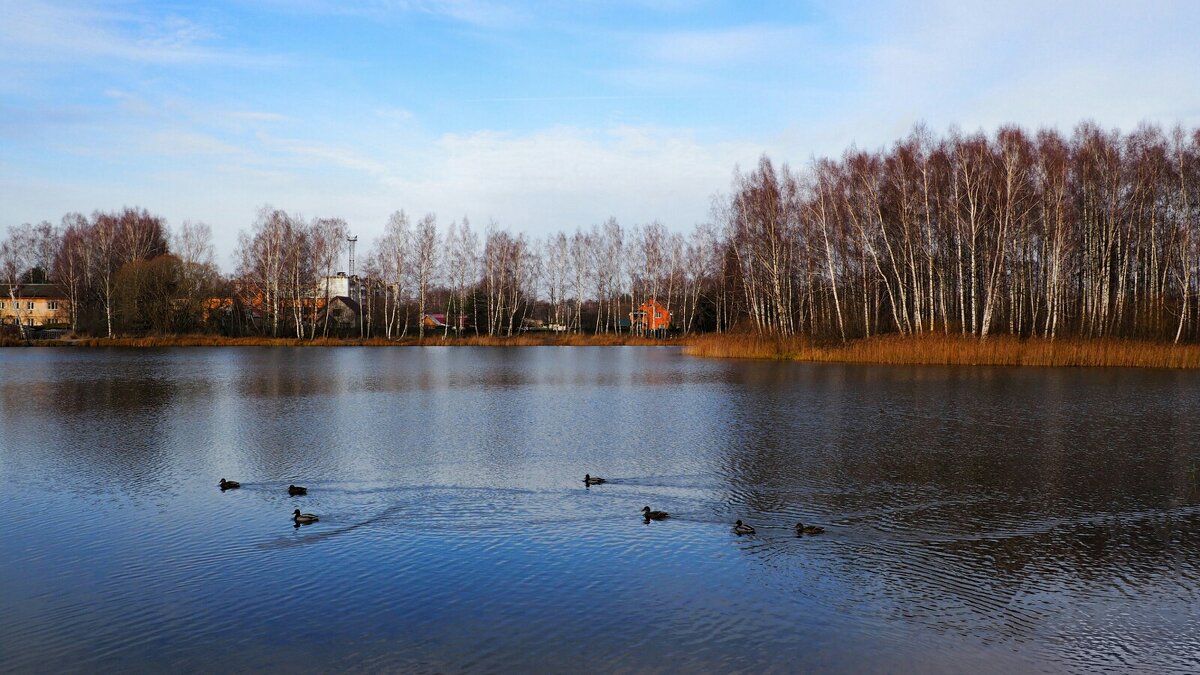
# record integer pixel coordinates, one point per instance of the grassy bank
(923, 350)
(526, 340)
(953, 350)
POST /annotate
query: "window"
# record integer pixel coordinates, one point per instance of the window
(1, 305)
(53, 304)
(29, 305)
(29, 321)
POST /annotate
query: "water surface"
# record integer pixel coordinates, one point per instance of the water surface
(978, 519)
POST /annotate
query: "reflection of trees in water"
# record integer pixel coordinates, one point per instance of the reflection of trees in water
(101, 430)
(847, 431)
(990, 500)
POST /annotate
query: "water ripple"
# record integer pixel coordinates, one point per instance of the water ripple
(977, 520)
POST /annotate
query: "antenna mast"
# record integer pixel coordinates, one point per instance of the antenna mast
(352, 241)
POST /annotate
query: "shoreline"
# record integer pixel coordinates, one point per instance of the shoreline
(159, 341)
(886, 350)
(954, 350)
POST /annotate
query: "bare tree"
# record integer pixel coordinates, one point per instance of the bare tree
(328, 237)
(425, 239)
(73, 263)
(16, 257)
(197, 274)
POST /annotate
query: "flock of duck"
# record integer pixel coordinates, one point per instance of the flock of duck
(293, 490)
(739, 528)
(589, 480)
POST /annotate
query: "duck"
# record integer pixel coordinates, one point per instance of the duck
(741, 528)
(303, 518)
(801, 528)
(229, 484)
(654, 515)
(294, 490)
(589, 479)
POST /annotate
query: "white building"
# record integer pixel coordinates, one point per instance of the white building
(338, 286)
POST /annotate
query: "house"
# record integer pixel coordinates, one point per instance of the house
(439, 322)
(340, 285)
(343, 312)
(650, 316)
(34, 306)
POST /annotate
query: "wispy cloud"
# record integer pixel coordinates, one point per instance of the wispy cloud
(1027, 62)
(551, 99)
(542, 114)
(727, 47)
(716, 59)
(189, 144)
(567, 176)
(40, 31)
(256, 116)
(484, 13)
(314, 153)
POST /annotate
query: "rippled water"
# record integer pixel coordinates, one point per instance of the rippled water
(978, 519)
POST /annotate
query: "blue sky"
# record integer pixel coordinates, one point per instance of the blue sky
(539, 115)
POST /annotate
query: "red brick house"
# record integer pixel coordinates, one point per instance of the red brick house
(649, 317)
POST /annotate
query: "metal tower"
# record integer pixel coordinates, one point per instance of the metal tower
(352, 241)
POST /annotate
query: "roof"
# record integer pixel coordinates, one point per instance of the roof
(34, 291)
(349, 302)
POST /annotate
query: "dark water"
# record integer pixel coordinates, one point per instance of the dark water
(979, 520)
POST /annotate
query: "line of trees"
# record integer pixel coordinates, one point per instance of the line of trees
(118, 270)
(1094, 235)
(1091, 235)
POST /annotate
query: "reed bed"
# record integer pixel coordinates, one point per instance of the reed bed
(954, 350)
(922, 350)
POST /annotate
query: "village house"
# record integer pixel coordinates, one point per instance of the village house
(342, 290)
(439, 322)
(343, 313)
(339, 285)
(35, 306)
(649, 317)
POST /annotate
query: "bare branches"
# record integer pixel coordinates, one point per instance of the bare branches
(1095, 234)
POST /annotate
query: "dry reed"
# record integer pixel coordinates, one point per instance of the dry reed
(923, 350)
(954, 350)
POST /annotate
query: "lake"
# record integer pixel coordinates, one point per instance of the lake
(977, 519)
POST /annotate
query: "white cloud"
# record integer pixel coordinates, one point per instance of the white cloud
(67, 32)
(1030, 63)
(483, 13)
(728, 47)
(566, 177)
(316, 154)
(855, 75)
(189, 144)
(256, 116)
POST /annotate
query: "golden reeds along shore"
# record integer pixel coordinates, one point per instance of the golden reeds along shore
(953, 350)
(897, 350)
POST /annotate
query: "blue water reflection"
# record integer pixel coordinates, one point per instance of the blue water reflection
(983, 520)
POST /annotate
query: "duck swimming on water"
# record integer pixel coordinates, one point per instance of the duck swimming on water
(801, 529)
(742, 528)
(589, 479)
(294, 490)
(303, 518)
(654, 515)
(229, 484)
